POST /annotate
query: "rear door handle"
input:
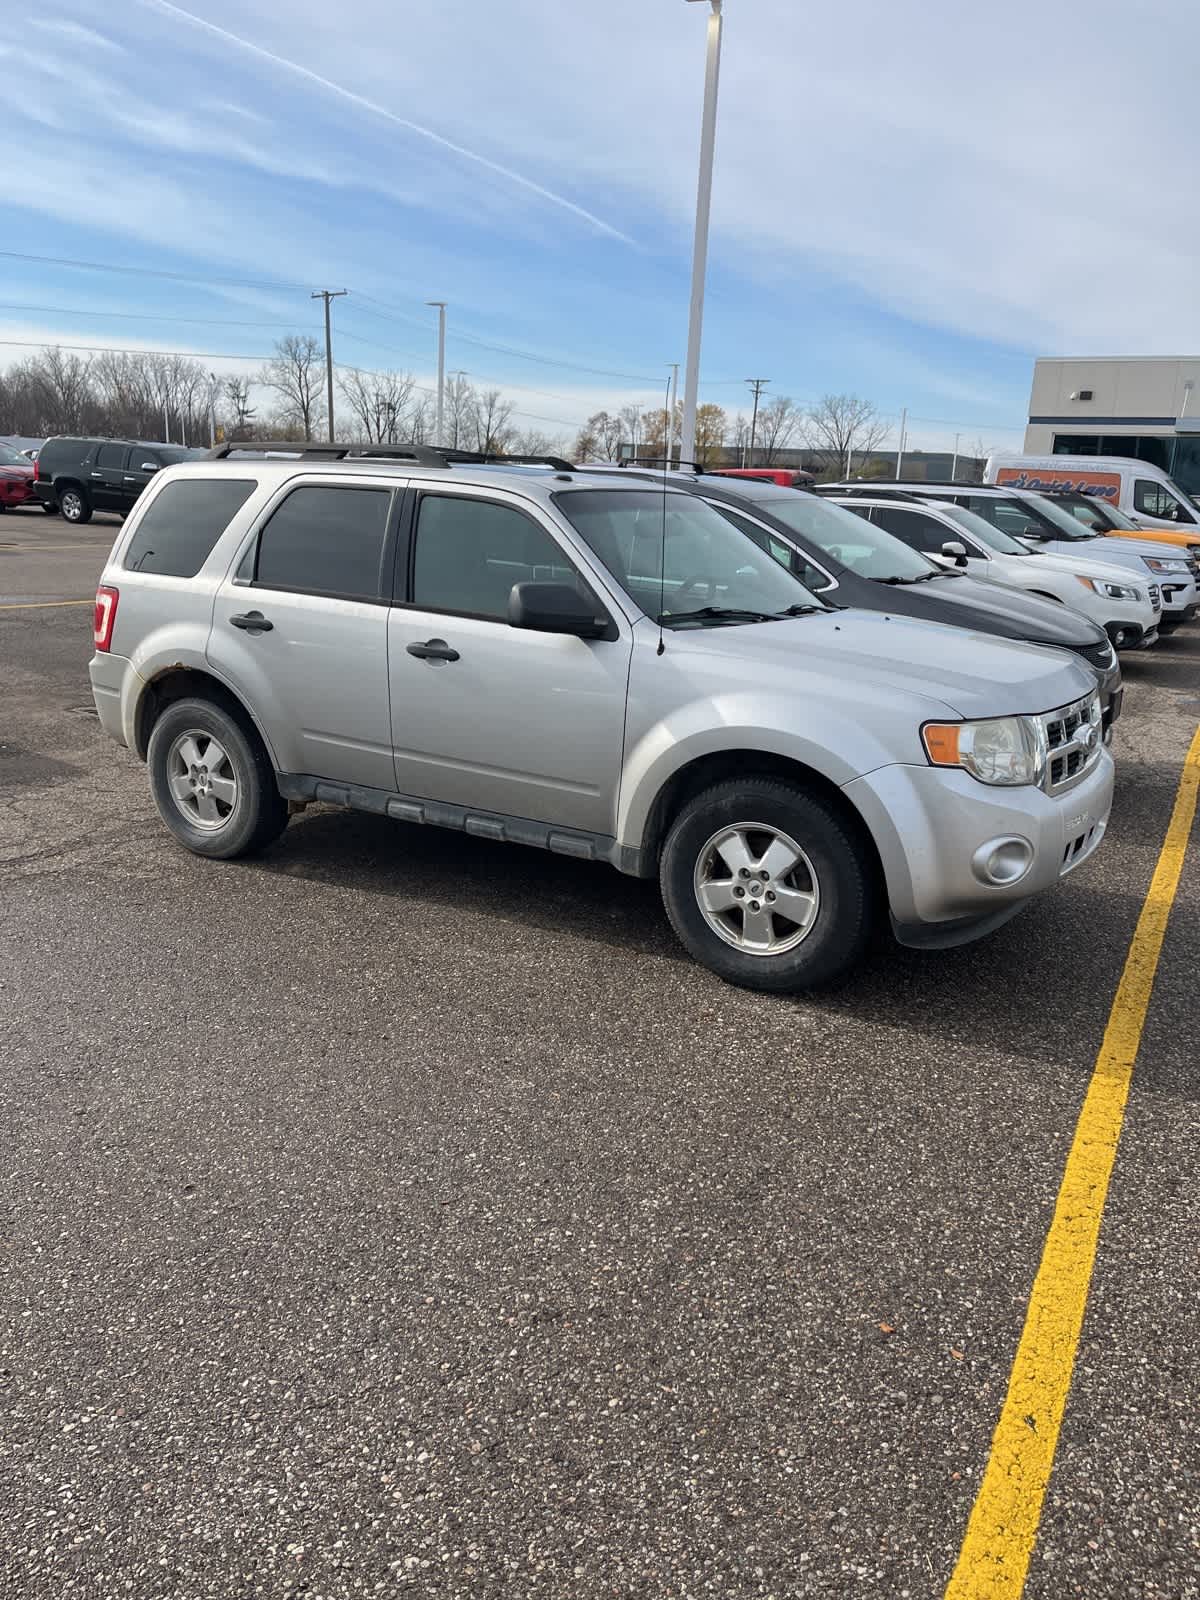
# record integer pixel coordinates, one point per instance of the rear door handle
(253, 622)
(433, 650)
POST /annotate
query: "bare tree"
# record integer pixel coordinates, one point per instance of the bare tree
(459, 413)
(600, 438)
(379, 402)
(296, 373)
(493, 422)
(66, 384)
(236, 393)
(421, 421)
(840, 427)
(775, 429)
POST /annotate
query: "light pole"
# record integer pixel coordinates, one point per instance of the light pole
(903, 442)
(441, 400)
(708, 139)
(954, 465)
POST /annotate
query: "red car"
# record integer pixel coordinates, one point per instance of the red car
(787, 477)
(16, 478)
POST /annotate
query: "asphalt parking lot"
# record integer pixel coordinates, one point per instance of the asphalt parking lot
(403, 1213)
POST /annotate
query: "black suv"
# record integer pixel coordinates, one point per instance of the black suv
(79, 476)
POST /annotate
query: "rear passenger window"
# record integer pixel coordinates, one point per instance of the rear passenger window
(326, 541)
(111, 455)
(917, 530)
(469, 553)
(182, 524)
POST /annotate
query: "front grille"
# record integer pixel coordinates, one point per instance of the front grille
(1073, 736)
(1155, 598)
(1100, 655)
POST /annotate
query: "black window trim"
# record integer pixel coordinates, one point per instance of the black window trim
(387, 556)
(788, 538)
(405, 571)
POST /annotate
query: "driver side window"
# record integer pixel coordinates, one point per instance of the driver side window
(1156, 500)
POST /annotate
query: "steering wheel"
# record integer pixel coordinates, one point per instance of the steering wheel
(697, 583)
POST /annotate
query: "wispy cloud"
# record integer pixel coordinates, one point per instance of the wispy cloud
(76, 33)
(377, 110)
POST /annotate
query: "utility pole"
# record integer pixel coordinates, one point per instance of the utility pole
(441, 398)
(903, 439)
(758, 385)
(327, 295)
(954, 465)
(166, 425)
(212, 410)
(708, 143)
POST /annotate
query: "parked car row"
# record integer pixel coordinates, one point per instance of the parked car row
(794, 720)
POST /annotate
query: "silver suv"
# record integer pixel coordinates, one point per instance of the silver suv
(606, 669)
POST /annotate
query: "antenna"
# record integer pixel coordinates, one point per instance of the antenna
(662, 564)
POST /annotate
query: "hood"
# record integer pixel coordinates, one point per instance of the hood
(971, 674)
(1013, 613)
(1134, 547)
(1058, 557)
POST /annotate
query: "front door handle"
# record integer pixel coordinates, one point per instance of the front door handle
(433, 650)
(253, 622)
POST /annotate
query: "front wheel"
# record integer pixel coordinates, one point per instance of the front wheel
(767, 886)
(213, 782)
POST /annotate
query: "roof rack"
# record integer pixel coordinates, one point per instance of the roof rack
(658, 462)
(869, 491)
(424, 455)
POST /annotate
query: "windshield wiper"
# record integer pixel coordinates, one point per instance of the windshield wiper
(715, 614)
(920, 578)
(800, 611)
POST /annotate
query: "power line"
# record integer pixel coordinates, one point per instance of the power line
(140, 316)
(150, 272)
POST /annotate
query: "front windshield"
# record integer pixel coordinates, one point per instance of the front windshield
(995, 538)
(1068, 526)
(711, 573)
(847, 537)
(1099, 517)
(12, 458)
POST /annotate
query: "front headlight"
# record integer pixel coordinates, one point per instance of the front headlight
(1114, 591)
(1161, 564)
(1002, 750)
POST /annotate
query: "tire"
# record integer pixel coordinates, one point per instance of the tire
(828, 934)
(227, 807)
(74, 503)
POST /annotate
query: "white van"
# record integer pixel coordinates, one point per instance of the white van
(1145, 493)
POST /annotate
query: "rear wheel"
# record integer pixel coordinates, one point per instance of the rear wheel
(74, 503)
(767, 885)
(213, 782)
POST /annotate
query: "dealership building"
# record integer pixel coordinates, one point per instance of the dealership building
(1146, 407)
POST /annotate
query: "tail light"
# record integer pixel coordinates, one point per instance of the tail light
(105, 616)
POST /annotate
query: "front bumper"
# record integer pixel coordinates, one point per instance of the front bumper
(928, 824)
(1178, 598)
(1131, 635)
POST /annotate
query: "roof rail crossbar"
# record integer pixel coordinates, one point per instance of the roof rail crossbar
(424, 455)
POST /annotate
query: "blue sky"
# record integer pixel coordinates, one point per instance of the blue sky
(909, 202)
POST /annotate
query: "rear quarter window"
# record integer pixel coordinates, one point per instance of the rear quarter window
(182, 524)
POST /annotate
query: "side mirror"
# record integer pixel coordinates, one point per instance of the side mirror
(148, 466)
(554, 608)
(955, 551)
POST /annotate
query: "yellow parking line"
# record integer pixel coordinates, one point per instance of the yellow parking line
(1003, 1525)
(41, 605)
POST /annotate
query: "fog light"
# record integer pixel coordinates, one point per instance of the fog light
(1002, 862)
